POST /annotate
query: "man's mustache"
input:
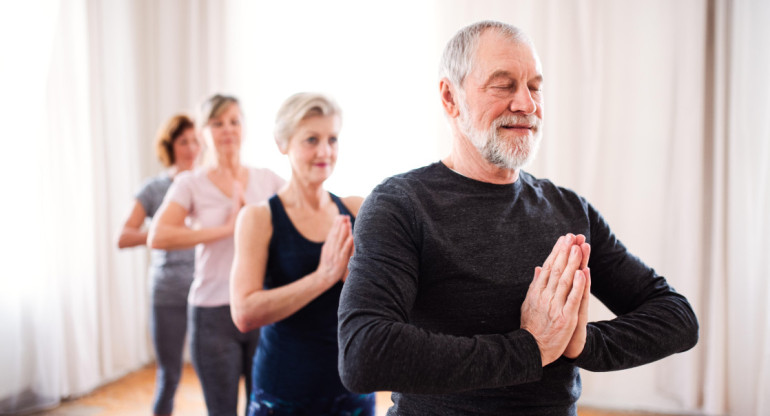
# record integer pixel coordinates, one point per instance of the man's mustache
(531, 121)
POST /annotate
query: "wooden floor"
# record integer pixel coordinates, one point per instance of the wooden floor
(132, 396)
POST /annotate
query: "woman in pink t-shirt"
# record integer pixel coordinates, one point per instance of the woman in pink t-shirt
(200, 210)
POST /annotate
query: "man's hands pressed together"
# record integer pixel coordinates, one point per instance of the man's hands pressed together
(555, 310)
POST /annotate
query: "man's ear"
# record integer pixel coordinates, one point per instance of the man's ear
(449, 98)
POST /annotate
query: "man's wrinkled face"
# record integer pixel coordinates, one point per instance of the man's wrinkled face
(501, 107)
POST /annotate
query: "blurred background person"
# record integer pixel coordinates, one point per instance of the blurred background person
(171, 271)
(209, 198)
(291, 260)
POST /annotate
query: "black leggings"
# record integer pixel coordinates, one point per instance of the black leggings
(221, 354)
(168, 324)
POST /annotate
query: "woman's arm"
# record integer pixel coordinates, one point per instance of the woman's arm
(132, 234)
(168, 230)
(253, 306)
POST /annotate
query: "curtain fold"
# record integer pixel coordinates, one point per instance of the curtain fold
(714, 393)
(745, 137)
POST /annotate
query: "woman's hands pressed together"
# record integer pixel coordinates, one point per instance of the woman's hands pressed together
(336, 252)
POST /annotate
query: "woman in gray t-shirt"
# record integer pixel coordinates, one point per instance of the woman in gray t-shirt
(171, 271)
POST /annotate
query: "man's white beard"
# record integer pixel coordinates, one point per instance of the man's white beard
(501, 152)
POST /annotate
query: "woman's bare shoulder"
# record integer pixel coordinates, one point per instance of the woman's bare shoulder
(353, 203)
(255, 216)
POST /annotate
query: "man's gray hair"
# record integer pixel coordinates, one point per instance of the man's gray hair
(457, 61)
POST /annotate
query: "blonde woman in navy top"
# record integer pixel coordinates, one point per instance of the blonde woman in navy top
(291, 257)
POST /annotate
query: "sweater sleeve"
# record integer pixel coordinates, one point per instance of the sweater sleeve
(379, 349)
(653, 320)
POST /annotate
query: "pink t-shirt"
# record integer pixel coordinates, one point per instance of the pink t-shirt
(208, 206)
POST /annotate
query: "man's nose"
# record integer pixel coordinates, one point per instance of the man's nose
(523, 102)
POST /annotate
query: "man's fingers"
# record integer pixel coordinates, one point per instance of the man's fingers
(573, 304)
(586, 249)
(586, 297)
(541, 279)
(560, 262)
(536, 280)
(556, 265)
(580, 241)
(566, 279)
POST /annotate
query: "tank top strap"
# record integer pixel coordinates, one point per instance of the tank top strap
(281, 220)
(279, 217)
(341, 206)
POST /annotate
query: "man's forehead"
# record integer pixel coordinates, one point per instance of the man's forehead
(498, 55)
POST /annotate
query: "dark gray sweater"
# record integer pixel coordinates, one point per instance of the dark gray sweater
(431, 308)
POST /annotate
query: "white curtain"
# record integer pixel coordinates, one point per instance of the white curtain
(77, 312)
(657, 111)
(85, 85)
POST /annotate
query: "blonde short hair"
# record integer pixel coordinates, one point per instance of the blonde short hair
(299, 107)
(167, 135)
(214, 106)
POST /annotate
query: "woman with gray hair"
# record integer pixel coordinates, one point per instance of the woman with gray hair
(200, 210)
(291, 257)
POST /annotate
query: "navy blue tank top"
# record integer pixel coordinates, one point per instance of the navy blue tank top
(297, 357)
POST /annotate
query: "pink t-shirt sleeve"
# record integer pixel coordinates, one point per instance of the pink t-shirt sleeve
(181, 191)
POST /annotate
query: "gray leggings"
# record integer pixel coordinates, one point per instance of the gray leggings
(221, 354)
(168, 324)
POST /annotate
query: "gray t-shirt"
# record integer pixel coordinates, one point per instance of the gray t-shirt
(431, 307)
(171, 271)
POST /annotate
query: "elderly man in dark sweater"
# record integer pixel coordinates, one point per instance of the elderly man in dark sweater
(469, 287)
